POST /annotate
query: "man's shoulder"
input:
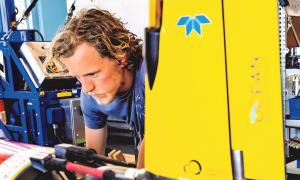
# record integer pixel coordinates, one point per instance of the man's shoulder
(139, 86)
(140, 74)
(141, 69)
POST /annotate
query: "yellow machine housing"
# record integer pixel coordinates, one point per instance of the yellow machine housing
(216, 92)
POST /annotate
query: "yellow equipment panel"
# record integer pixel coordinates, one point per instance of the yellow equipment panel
(252, 48)
(186, 111)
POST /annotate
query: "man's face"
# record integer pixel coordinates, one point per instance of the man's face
(100, 77)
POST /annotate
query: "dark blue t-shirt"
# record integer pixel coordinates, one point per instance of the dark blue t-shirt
(129, 106)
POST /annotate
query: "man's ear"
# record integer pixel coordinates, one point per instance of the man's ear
(123, 62)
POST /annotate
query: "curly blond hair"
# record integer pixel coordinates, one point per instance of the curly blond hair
(104, 32)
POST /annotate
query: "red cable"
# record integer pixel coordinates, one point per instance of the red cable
(84, 169)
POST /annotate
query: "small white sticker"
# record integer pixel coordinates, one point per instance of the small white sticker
(253, 113)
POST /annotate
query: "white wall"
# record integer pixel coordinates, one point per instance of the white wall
(133, 12)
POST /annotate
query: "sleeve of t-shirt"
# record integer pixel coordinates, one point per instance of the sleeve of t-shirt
(93, 117)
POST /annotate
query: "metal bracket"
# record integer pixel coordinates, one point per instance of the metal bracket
(238, 165)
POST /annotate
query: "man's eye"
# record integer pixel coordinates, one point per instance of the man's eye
(93, 75)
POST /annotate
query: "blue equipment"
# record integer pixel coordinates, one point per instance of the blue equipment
(35, 90)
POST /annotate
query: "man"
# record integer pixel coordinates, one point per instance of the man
(107, 59)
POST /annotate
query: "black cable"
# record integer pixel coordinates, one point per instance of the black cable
(101, 159)
(13, 22)
(27, 11)
(39, 33)
(17, 11)
(283, 3)
(70, 13)
(31, 6)
(84, 155)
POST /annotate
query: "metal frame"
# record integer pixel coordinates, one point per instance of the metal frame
(26, 108)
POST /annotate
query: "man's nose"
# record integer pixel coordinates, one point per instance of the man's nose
(87, 85)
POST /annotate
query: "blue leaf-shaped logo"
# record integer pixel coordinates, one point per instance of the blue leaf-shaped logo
(194, 23)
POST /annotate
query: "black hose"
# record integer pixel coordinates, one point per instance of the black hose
(31, 6)
(39, 33)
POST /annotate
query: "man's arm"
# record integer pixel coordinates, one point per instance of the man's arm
(96, 139)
